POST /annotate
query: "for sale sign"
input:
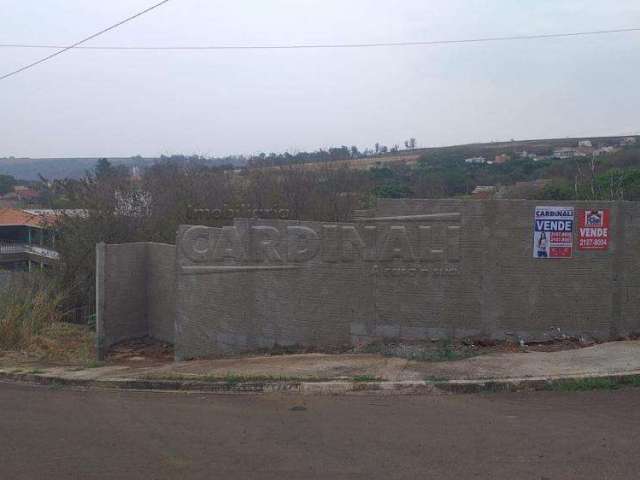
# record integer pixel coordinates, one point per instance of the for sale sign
(593, 229)
(553, 232)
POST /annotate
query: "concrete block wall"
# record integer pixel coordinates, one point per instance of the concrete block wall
(231, 306)
(532, 298)
(135, 293)
(409, 269)
(161, 291)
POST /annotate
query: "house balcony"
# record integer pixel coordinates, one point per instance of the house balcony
(10, 248)
(25, 256)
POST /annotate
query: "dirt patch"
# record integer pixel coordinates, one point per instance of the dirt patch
(451, 350)
(141, 351)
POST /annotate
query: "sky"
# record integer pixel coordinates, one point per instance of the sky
(215, 103)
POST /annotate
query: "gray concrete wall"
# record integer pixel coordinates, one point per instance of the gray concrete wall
(161, 291)
(227, 306)
(590, 293)
(407, 269)
(135, 293)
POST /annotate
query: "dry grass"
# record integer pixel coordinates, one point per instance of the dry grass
(64, 343)
(28, 304)
(31, 323)
(364, 163)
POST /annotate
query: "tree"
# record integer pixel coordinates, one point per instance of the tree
(7, 182)
(410, 144)
(103, 168)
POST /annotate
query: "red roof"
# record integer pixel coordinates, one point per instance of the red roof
(28, 193)
(14, 216)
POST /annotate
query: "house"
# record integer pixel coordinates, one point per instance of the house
(530, 156)
(604, 151)
(628, 141)
(502, 158)
(27, 240)
(568, 152)
(483, 192)
(585, 143)
(21, 193)
(475, 160)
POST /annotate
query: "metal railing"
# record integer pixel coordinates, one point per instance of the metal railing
(9, 247)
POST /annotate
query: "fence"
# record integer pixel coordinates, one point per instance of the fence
(81, 315)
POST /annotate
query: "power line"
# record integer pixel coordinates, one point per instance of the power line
(91, 37)
(331, 45)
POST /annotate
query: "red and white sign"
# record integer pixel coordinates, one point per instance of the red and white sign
(593, 229)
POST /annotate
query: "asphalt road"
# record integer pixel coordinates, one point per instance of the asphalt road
(57, 434)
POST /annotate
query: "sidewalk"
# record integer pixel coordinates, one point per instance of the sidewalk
(326, 373)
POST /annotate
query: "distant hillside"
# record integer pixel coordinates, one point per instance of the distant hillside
(58, 168)
(410, 157)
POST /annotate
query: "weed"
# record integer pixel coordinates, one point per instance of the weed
(55, 385)
(94, 364)
(231, 379)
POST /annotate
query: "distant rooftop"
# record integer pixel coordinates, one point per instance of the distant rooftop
(15, 217)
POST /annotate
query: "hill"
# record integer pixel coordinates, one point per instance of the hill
(58, 168)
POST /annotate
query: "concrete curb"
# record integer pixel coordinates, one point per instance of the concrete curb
(328, 387)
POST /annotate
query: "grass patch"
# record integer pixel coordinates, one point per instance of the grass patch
(36, 371)
(445, 351)
(93, 363)
(366, 378)
(231, 379)
(588, 384)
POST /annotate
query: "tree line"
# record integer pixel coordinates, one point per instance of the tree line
(122, 208)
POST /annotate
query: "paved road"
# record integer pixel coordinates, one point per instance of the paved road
(59, 434)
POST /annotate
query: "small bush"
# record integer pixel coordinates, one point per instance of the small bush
(29, 303)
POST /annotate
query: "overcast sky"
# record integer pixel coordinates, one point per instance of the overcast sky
(115, 103)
